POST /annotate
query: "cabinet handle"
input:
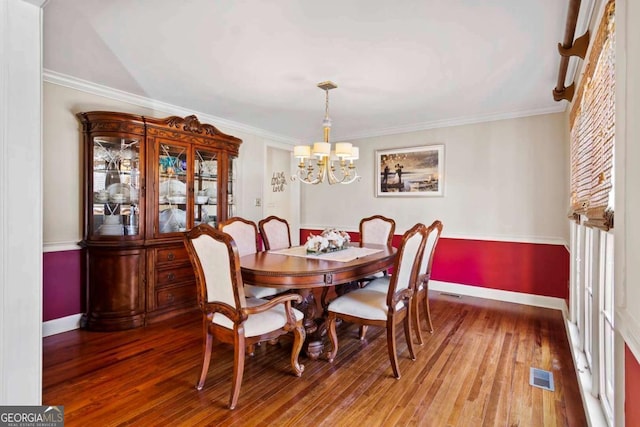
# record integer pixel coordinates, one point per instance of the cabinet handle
(171, 256)
(171, 276)
(170, 297)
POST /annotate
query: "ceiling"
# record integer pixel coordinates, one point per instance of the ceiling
(400, 66)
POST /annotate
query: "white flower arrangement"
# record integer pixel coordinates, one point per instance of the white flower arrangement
(329, 240)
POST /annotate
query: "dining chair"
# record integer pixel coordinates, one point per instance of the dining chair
(421, 285)
(421, 296)
(245, 235)
(275, 233)
(230, 317)
(376, 229)
(370, 307)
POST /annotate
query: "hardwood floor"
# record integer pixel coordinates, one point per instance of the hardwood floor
(472, 371)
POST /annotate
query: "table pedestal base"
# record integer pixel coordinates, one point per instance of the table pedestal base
(316, 326)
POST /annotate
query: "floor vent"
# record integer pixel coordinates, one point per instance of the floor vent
(446, 294)
(541, 378)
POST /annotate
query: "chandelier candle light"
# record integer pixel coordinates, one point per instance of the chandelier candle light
(344, 152)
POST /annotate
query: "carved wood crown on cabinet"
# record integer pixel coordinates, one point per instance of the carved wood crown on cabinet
(141, 179)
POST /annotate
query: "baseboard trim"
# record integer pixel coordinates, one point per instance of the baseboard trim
(63, 324)
(498, 294)
(72, 322)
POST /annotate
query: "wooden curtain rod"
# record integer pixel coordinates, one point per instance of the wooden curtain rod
(570, 48)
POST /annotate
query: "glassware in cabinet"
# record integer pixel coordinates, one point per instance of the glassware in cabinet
(206, 187)
(115, 187)
(172, 188)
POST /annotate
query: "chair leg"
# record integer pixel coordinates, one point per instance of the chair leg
(407, 336)
(414, 313)
(251, 350)
(391, 347)
(363, 331)
(238, 370)
(208, 343)
(299, 335)
(425, 305)
(333, 337)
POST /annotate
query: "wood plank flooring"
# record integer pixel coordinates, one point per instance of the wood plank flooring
(472, 371)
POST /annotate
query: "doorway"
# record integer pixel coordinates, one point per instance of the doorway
(281, 195)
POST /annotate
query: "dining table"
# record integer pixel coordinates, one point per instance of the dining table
(296, 270)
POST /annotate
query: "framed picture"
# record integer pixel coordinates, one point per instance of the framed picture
(410, 172)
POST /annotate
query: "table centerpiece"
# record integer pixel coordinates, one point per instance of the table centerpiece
(330, 240)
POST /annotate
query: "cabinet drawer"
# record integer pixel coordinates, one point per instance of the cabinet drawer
(176, 296)
(171, 276)
(172, 254)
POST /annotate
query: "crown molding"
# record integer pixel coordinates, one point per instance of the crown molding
(38, 3)
(76, 83)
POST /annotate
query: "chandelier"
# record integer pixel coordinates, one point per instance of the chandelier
(319, 163)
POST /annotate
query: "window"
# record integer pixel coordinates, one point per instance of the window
(606, 374)
(592, 125)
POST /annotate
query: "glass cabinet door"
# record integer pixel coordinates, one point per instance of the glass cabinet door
(206, 187)
(115, 186)
(172, 188)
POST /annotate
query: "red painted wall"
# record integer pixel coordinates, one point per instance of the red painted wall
(63, 293)
(530, 268)
(538, 269)
(631, 389)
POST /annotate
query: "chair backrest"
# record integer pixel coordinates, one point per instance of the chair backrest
(433, 235)
(408, 260)
(377, 229)
(275, 233)
(215, 259)
(243, 232)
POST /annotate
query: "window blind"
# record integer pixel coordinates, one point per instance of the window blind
(592, 122)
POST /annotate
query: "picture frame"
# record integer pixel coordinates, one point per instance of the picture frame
(410, 172)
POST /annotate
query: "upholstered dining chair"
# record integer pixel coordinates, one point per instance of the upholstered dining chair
(229, 316)
(245, 235)
(275, 233)
(421, 296)
(373, 308)
(376, 229)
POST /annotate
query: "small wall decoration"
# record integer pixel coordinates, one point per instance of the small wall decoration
(278, 181)
(407, 172)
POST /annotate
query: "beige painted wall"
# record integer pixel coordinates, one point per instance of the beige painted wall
(504, 180)
(62, 162)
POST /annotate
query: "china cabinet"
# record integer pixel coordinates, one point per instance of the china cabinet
(146, 182)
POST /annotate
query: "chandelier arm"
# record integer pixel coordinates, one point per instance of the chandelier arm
(332, 178)
(356, 177)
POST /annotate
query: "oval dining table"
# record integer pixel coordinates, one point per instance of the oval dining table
(304, 274)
